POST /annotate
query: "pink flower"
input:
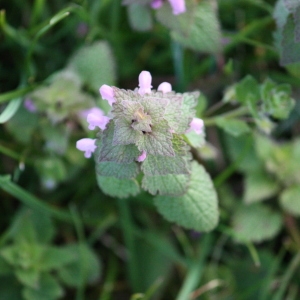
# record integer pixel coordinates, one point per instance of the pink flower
(145, 86)
(165, 87)
(93, 110)
(95, 119)
(107, 93)
(142, 157)
(87, 146)
(156, 4)
(29, 105)
(196, 125)
(178, 6)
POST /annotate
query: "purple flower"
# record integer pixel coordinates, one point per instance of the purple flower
(178, 6)
(107, 93)
(29, 105)
(156, 4)
(165, 87)
(142, 157)
(87, 146)
(94, 110)
(145, 86)
(196, 125)
(95, 119)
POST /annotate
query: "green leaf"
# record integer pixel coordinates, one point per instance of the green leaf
(139, 16)
(255, 223)
(187, 111)
(247, 92)
(28, 277)
(124, 133)
(54, 258)
(277, 100)
(95, 65)
(120, 188)
(10, 110)
(120, 171)
(85, 269)
(47, 289)
(164, 165)
(290, 200)
(196, 140)
(259, 186)
(198, 208)
(233, 127)
(122, 154)
(197, 28)
(290, 50)
(157, 142)
(171, 185)
(25, 120)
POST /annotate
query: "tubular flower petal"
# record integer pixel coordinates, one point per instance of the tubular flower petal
(196, 125)
(156, 4)
(107, 93)
(97, 120)
(178, 6)
(165, 87)
(142, 157)
(93, 110)
(87, 146)
(145, 86)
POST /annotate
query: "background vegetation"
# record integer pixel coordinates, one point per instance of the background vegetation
(62, 237)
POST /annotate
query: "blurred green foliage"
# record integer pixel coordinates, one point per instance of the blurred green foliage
(63, 238)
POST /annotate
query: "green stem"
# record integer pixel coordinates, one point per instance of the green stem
(231, 168)
(128, 233)
(195, 270)
(177, 52)
(32, 201)
(16, 93)
(232, 114)
(287, 277)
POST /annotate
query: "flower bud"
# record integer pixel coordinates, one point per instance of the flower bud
(145, 86)
(165, 87)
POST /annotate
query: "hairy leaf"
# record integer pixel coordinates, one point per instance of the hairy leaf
(95, 65)
(163, 165)
(197, 209)
(197, 28)
(120, 188)
(116, 153)
(120, 171)
(139, 16)
(255, 223)
(170, 185)
(157, 142)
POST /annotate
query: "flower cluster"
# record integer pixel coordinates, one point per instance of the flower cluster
(144, 134)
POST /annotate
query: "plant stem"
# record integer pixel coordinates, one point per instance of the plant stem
(128, 233)
(228, 115)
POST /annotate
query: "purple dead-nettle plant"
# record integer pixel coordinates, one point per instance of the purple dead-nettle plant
(145, 135)
(178, 6)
